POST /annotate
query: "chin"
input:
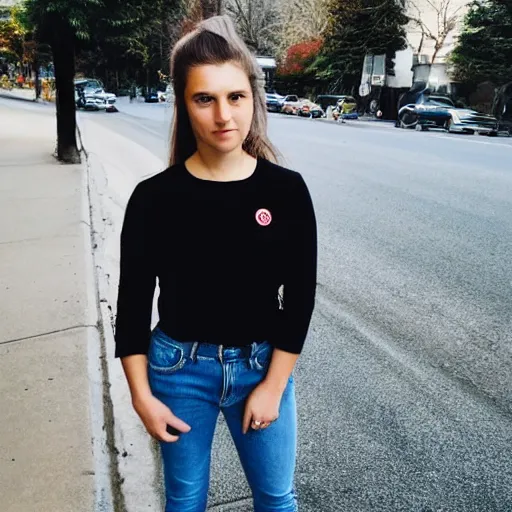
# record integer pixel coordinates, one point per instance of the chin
(227, 147)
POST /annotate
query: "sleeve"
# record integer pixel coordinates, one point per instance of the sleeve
(137, 279)
(300, 273)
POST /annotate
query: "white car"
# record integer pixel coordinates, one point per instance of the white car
(90, 95)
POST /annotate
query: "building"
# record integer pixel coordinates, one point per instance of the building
(268, 68)
(431, 37)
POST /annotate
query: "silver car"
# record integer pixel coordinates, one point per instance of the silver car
(90, 95)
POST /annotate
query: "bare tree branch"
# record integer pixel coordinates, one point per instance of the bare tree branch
(446, 21)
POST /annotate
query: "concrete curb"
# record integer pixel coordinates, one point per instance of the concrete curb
(104, 500)
(134, 464)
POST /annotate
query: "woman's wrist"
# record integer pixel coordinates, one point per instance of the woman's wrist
(277, 384)
(140, 395)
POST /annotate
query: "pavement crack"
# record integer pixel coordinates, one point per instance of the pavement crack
(35, 239)
(49, 333)
(240, 501)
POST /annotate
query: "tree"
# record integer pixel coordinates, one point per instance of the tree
(357, 28)
(67, 26)
(446, 16)
(484, 49)
(302, 20)
(299, 57)
(257, 23)
(12, 35)
(294, 72)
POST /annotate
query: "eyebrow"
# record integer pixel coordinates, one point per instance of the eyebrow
(204, 93)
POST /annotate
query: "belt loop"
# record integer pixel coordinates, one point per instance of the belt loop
(221, 347)
(193, 352)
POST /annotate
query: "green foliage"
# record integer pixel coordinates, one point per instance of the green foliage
(12, 35)
(484, 50)
(357, 28)
(118, 41)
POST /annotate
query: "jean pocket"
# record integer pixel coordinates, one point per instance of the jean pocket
(263, 356)
(165, 355)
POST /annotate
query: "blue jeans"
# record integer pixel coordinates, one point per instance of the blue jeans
(197, 381)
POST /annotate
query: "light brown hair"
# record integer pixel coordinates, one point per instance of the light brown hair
(215, 41)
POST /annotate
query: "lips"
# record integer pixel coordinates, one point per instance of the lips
(224, 131)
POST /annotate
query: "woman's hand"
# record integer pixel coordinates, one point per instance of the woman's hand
(262, 406)
(156, 416)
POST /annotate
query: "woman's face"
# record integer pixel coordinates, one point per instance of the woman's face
(220, 106)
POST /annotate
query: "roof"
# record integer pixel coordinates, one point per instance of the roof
(265, 62)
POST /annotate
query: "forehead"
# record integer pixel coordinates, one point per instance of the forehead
(217, 78)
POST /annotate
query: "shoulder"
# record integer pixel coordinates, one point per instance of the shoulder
(281, 176)
(153, 186)
(155, 182)
(289, 185)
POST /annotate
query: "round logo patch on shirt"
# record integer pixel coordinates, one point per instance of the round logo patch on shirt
(263, 217)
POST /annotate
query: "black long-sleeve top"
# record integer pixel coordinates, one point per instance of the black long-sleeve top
(220, 251)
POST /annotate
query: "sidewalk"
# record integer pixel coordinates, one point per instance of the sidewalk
(53, 455)
(19, 94)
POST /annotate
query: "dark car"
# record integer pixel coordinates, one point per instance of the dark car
(420, 109)
(274, 102)
(151, 96)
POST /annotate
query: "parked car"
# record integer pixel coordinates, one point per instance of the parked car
(274, 102)
(291, 104)
(310, 109)
(151, 96)
(90, 95)
(422, 110)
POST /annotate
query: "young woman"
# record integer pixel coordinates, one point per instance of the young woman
(225, 230)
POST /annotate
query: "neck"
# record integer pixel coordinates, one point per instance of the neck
(209, 164)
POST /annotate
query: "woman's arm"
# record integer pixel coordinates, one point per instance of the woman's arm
(280, 369)
(135, 369)
(263, 403)
(137, 282)
(299, 298)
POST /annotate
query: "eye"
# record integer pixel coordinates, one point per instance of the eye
(204, 100)
(235, 97)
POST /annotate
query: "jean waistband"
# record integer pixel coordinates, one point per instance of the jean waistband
(221, 352)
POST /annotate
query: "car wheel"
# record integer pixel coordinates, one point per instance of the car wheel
(408, 120)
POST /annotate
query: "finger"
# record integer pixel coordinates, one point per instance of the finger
(256, 424)
(177, 425)
(162, 435)
(246, 421)
(166, 438)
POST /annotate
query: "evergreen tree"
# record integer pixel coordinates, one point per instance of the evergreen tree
(484, 49)
(357, 28)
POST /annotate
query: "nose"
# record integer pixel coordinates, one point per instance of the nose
(222, 112)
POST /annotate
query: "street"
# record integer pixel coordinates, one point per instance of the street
(404, 386)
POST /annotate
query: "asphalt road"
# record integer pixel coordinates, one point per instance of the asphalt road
(404, 387)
